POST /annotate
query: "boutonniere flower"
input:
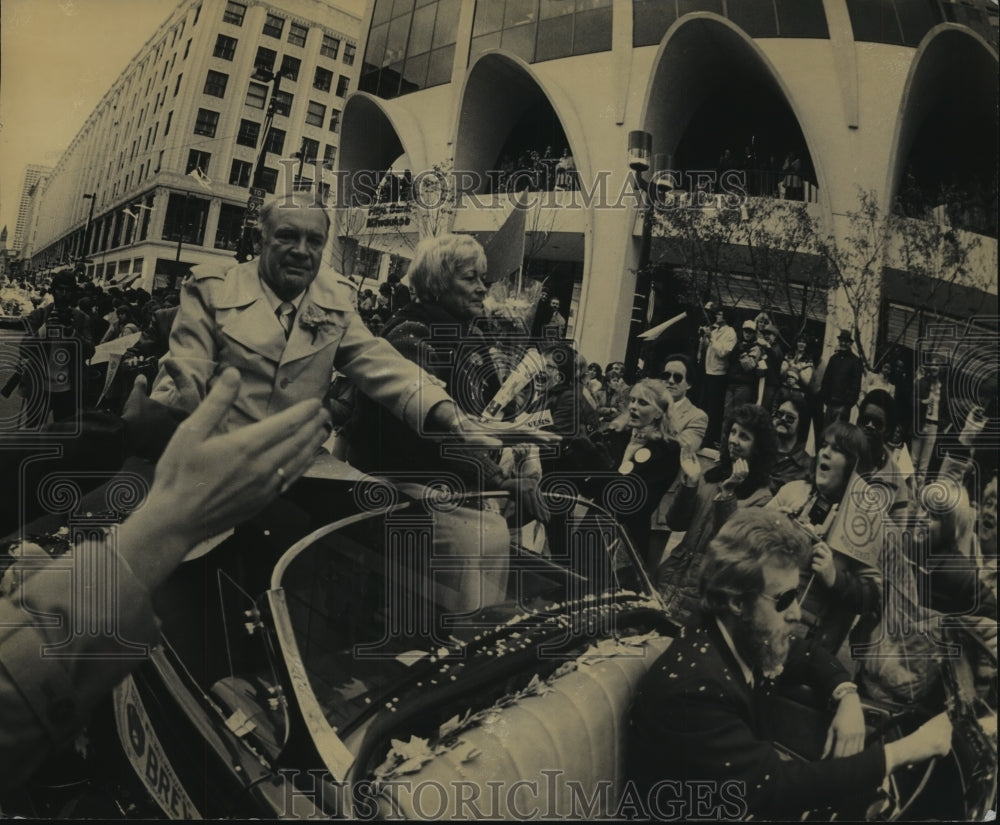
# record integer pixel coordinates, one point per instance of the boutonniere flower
(316, 319)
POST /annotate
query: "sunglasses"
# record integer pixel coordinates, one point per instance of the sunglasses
(783, 600)
(676, 377)
(786, 418)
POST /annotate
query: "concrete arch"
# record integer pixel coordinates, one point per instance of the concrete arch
(948, 59)
(700, 48)
(373, 135)
(497, 90)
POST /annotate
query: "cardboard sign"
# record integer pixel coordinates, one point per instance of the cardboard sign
(857, 528)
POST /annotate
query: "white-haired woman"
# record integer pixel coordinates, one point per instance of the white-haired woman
(438, 331)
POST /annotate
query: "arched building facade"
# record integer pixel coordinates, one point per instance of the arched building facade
(887, 100)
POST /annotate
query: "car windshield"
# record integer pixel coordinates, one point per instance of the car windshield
(366, 606)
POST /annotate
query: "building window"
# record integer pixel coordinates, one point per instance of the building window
(234, 13)
(349, 52)
(239, 174)
(411, 48)
(225, 47)
(268, 179)
(256, 95)
(186, 217)
(274, 25)
(187, 50)
(265, 58)
(215, 83)
(290, 67)
(177, 85)
(342, 83)
(310, 150)
(166, 128)
(282, 102)
(275, 141)
(323, 79)
(198, 160)
(206, 123)
(335, 120)
(230, 227)
(249, 133)
(297, 34)
(330, 47)
(197, 14)
(329, 154)
(316, 114)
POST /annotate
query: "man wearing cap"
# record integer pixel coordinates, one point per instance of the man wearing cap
(717, 343)
(51, 370)
(744, 372)
(841, 387)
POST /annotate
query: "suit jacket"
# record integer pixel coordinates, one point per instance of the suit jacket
(688, 423)
(226, 320)
(695, 718)
(841, 385)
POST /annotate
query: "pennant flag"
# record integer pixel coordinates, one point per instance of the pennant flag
(201, 178)
(505, 250)
(659, 329)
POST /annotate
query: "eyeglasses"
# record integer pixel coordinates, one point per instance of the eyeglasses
(785, 417)
(676, 377)
(783, 600)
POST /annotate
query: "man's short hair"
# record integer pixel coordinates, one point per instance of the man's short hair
(689, 366)
(292, 200)
(734, 564)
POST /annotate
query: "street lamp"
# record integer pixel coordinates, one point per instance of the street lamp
(301, 156)
(244, 250)
(654, 193)
(640, 148)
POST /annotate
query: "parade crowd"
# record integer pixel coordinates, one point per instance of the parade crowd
(757, 461)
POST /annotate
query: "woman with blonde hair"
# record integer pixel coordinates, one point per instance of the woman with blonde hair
(647, 450)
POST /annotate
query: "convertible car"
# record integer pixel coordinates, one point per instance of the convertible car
(337, 674)
(355, 669)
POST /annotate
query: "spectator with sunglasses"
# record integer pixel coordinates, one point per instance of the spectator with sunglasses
(791, 423)
(686, 422)
(701, 712)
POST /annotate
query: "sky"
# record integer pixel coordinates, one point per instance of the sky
(57, 59)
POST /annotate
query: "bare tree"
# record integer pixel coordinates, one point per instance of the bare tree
(763, 251)
(927, 253)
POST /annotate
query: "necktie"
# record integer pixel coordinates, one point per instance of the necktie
(286, 314)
